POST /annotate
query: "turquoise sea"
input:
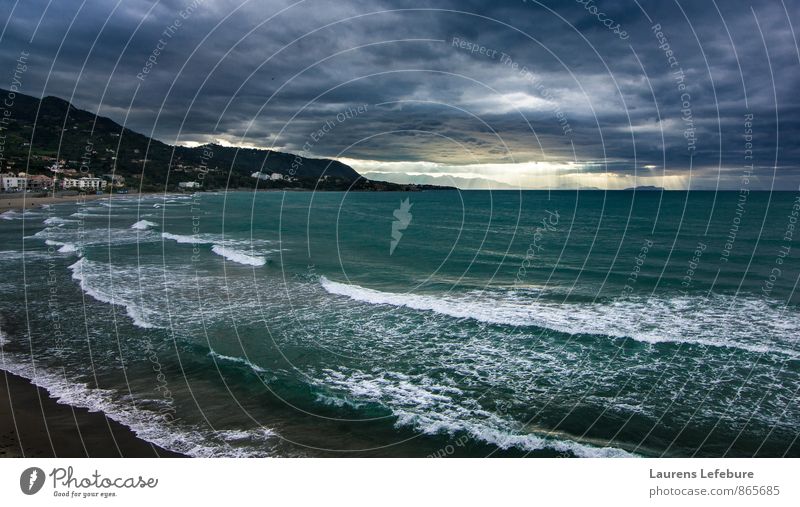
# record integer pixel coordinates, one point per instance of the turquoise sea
(476, 323)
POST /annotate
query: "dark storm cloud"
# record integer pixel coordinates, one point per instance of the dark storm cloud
(229, 72)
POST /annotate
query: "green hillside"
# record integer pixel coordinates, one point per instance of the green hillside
(40, 132)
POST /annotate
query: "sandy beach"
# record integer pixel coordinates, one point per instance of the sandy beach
(33, 425)
(18, 201)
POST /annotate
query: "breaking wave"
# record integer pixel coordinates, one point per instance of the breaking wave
(744, 323)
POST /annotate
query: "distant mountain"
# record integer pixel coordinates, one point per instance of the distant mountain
(462, 183)
(99, 145)
(646, 188)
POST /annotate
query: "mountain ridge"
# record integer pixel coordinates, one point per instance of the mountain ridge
(91, 143)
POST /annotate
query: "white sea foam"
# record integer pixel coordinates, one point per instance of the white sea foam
(27, 255)
(431, 408)
(155, 297)
(89, 214)
(65, 247)
(750, 324)
(225, 248)
(216, 239)
(335, 401)
(58, 221)
(238, 256)
(94, 280)
(146, 424)
(182, 238)
(4, 339)
(415, 302)
(93, 237)
(143, 225)
(239, 360)
(19, 215)
(246, 435)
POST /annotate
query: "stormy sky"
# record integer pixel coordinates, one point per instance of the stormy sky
(503, 94)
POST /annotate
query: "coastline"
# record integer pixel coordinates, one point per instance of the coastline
(19, 201)
(34, 425)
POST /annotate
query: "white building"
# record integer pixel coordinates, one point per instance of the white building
(13, 183)
(189, 184)
(69, 183)
(265, 176)
(92, 183)
(86, 183)
(19, 183)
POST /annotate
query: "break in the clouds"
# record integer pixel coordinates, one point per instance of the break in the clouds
(479, 94)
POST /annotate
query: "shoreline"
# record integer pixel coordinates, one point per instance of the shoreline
(35, 425)
(18, 202)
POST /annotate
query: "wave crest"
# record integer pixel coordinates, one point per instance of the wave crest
(238, 256)
(744, 323)
(143, 225)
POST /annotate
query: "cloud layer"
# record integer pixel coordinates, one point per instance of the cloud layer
(521, 93)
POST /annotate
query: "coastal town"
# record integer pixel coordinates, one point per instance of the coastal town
(61, 179)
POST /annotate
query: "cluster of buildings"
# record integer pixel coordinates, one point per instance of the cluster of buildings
(69, 180)
(272, 177)
(84, 183)
(22, 182)
(267, 177)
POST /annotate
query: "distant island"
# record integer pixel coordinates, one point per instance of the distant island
(71, 143)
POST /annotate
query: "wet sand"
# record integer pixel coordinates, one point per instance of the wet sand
(34, 425)
(19, 201)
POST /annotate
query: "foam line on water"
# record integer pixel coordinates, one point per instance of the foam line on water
(95, 283)
(239, 360)
(718, 321)
(88, 237)
(27, 255)
(216, 239)
(19, 215)
(238, 256)
(58, 221)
